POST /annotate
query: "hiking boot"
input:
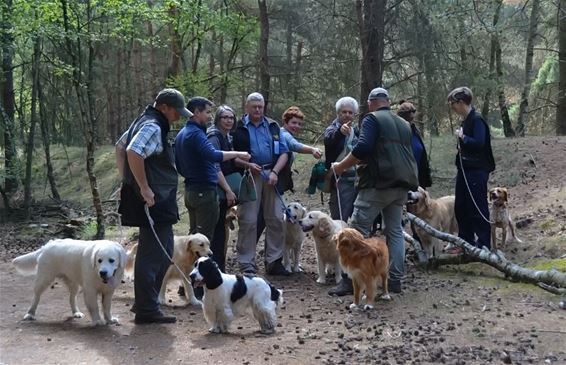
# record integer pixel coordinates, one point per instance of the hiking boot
(344, 287)
(394, 286)
(276, 268)
(158, 317)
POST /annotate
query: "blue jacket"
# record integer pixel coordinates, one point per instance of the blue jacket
(196, 158)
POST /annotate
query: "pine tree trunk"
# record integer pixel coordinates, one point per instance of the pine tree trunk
(523, 120)
(505, 119)
(263, 54)
(561, 108)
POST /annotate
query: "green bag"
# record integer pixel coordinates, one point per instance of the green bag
(247, 191)
(234, 180)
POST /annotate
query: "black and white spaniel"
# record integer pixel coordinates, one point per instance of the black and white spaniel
(226, 296)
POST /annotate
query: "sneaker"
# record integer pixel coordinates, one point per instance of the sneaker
(344, 287)
(158, 317)
(276, 268)
(394, 286)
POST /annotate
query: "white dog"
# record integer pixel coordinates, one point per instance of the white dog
(294, 237)
(323, 229)
(226, 296)
(95, 266)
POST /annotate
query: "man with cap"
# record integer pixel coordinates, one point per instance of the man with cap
(146, 165)
(197, 161)
(387, 170)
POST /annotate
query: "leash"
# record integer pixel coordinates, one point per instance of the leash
(151, 224)
(468, 186)
(337, 192)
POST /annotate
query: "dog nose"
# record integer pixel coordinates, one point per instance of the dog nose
(103, 273)
(192, 277)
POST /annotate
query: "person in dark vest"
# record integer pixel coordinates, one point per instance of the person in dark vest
(474, 162)
(260, 136)
(196, 159)
(387, 170)
(146, 164)
(219, 136)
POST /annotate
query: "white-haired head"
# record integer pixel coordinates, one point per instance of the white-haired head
(255, 96)
(347, 101)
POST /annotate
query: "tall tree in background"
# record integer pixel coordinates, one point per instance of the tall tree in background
(11, 173)
(522, 122)
(371, 20)
(561, 109)
(263, 54)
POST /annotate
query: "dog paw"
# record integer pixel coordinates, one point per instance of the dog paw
(196, 302)
(386, 297)
(78, 315)
(29, 317)
(368, 307)
(113, 320)
(321, 280)
(353, 306)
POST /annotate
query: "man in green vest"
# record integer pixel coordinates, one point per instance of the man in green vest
(387, 170)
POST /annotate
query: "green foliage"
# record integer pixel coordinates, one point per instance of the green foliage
(547, 74)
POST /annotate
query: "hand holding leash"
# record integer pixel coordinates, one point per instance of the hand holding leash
(148, 196)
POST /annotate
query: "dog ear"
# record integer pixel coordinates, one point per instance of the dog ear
(489, 194)
(325, 225)
(190, 243)
(505, 194)
(427, 199)
(93, 257)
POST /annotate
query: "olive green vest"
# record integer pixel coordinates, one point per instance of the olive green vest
(392, 164)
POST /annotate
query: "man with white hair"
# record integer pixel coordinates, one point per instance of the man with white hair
(339, 138)
(260, 137)
(387, 170)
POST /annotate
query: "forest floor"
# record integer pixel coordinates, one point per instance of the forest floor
(466, 314)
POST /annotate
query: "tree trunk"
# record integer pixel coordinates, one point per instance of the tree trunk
(505, 119)
(561, 108)
(492, 51)
(372, 37)
(551, 277)
(198, 37)
(176, 48)
(523, 120)
(45, 136)
(154, 80)
(11, 180)
(298, 62)
(263, 55)
(33, 122)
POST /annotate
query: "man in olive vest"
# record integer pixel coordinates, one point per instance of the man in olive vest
(387, 170)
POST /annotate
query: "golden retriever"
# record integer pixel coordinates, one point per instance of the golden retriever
(365, 260)
(186, 251)
(323, 229)
(95, 266)
(439, 213)
(500, 217)
(294, 236)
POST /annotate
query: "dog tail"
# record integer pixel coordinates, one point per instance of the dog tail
(131, 260)
(27, 264)
(276, 294)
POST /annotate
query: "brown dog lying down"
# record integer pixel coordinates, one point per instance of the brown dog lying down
(439, 213)
(365, 260)
(500, 217)
(186, 251)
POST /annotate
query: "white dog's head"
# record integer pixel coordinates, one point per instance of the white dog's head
(109, 259)
(314, 219)
(294, 212)
(206, 273)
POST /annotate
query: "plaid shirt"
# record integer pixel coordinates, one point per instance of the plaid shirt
(146, 142)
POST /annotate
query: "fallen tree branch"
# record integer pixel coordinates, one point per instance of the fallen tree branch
(552, 277)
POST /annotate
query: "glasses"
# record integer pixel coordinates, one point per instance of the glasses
(227, 117)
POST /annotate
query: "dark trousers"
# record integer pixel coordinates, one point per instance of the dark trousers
(150, 267)
(470, 221)
(217, 245)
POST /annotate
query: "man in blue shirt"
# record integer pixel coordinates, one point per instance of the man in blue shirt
(196, 161)
(261, 137)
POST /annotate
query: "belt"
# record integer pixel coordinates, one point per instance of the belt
(267, 166)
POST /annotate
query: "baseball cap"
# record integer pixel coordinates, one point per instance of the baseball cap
(378, 92)
(174, 99)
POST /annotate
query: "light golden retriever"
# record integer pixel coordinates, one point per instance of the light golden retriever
(365, 260)
(186, 251)
(323, 229)
(95, 266)
(500, 217)
(439, 213)
(294, 236)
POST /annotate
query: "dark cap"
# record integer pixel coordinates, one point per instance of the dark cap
(174, 99)
(377, 93)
